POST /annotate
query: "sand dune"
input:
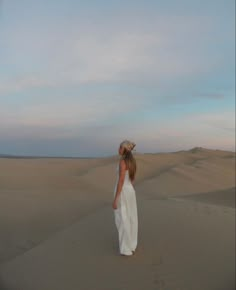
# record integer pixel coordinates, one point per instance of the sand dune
(224, 197)
(57, 227)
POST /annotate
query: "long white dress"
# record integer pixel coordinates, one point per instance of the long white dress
(126, 216)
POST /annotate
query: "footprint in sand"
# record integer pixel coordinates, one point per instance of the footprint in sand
(158, 281)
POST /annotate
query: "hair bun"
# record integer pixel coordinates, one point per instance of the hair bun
(128, 145)
(133, 145)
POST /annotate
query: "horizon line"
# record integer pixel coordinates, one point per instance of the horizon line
(193, 149)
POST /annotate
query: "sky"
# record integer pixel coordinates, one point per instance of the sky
(78, 77)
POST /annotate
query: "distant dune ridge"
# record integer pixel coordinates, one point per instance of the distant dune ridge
(57, 224)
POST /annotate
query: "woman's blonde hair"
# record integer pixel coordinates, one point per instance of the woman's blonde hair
(128, 157)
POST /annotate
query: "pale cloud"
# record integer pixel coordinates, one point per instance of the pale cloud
(210, 130)
(23, 82)
(55, 117)
(71, 54)
(224, 120)
(182, 133)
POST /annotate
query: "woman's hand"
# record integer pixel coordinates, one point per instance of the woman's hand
(132, 181)
(114, 205)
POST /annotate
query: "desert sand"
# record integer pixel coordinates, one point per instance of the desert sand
(57, 229)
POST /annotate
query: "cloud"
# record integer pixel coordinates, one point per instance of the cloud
(208, 130)
(173, 48)
(59, 118)
(223, 121)
(21, 83)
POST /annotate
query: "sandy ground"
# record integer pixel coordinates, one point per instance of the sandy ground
(57, 227)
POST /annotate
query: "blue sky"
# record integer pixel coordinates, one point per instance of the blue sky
(78, 77)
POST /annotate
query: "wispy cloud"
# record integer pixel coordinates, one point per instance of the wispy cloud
(173, 48)
(56, 117)
(212, 130)
(224, 120)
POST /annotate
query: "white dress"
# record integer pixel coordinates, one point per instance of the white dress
(126, 217)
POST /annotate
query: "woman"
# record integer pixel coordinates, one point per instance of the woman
(124, 204)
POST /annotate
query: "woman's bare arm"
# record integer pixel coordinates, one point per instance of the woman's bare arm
(122, 168)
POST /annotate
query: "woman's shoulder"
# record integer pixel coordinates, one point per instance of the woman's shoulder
(122, 164)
